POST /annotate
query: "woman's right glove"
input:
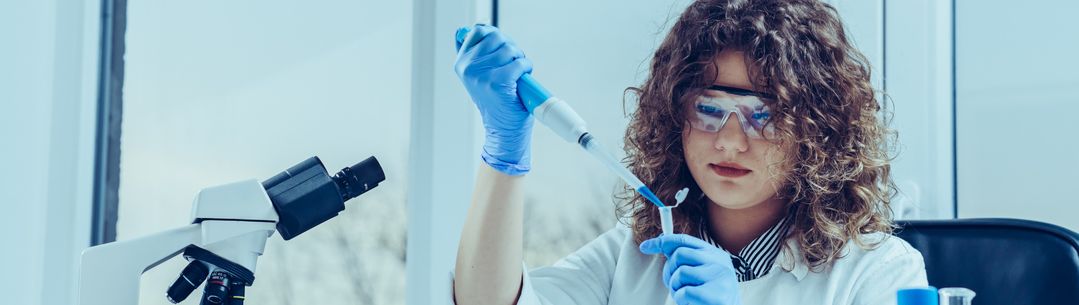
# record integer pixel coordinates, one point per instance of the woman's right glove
(696, 272)
(489, 65)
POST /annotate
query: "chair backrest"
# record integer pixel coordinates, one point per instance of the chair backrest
(1005, 261)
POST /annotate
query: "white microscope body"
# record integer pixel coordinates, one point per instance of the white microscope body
(236, 218)
(232, 222)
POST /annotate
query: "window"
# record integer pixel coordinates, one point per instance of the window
(217, 92)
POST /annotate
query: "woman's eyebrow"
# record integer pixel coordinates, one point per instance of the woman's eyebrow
(738, 91)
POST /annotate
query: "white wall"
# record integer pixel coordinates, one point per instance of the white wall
(48, 69)
(1016, 88)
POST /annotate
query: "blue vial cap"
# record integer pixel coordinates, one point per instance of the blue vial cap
(917, 296)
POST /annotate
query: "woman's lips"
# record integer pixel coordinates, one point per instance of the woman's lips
(729, 170)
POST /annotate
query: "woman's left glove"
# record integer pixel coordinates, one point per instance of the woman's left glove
(696, 272)
(490, 70)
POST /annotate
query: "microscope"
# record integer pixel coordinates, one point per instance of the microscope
(229, 227)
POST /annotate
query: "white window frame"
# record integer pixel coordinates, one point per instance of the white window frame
(919, 77)
(48, 236)
(444, 134)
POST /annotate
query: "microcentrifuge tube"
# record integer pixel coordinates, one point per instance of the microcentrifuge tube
(665, 218)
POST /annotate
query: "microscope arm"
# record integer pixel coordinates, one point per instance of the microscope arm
(114, 276)
(117, 267)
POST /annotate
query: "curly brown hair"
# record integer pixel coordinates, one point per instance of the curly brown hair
(825, 115)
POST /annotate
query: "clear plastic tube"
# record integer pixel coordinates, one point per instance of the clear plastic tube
(666, 220)
(956, 296)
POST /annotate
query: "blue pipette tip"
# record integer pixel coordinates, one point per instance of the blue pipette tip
(647, 193)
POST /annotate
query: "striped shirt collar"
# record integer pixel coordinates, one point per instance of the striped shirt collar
(757, 258)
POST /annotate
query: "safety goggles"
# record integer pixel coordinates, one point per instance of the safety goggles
(717, 103)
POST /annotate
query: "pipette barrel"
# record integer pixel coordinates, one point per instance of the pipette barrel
(593, 147)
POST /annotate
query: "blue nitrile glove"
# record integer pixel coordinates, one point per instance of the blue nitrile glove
(696, 272)
(489, 70)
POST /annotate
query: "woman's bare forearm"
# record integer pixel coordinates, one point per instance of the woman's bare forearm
(490, 253)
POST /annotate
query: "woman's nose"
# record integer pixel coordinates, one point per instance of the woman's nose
(731, 136)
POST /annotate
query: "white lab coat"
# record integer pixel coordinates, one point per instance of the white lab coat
(611, 270)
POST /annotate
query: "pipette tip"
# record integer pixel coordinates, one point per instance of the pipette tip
(647, 193)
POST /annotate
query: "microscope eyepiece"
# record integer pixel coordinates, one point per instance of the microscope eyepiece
(355, 180)
(305, 195)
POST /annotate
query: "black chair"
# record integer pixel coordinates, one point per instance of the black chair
(1005, 261)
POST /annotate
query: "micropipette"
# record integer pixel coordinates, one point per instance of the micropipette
(557, 115)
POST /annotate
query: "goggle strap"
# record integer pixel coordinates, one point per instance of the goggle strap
(740, 91)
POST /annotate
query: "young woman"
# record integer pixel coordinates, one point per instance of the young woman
(765, 111)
